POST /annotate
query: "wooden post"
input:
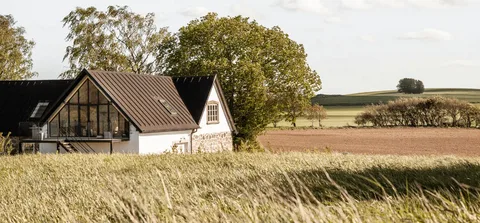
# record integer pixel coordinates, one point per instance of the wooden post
(111, 147)
(58, 147)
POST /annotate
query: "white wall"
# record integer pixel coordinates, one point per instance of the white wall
(48, 148)
(131, 146)
(157, 143)
(222, 126)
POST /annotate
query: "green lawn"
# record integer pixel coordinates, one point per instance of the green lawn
(239, 187)
(337, 116)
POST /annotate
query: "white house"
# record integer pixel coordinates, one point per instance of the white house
(117, 112)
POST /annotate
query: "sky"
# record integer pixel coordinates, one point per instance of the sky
(354, 45)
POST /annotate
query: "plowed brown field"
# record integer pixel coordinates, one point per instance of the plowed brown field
(396, 141)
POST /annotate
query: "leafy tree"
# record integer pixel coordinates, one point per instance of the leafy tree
(316, 113)
(15, 51)
(259, 68)
(114, 40)
(410, 86)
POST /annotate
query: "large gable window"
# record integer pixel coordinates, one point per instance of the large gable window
(212, 113)
(89, 114)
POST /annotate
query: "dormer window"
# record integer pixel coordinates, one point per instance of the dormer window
(39, 110)
(212, 112)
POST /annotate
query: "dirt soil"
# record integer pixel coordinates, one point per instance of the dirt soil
(396, 141)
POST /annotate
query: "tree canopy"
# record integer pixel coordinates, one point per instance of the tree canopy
(15, 51)
(410, 86)
(262, 71)
(114, 40)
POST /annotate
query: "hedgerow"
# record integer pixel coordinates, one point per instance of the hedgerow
(417, 112)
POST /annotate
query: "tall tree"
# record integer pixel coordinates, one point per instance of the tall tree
(259, 68)
(15, 51)
(114, 40)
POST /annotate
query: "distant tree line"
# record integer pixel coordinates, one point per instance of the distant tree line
(416, 112)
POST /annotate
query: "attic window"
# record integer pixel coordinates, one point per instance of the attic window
(212, 113)
(39, 110)
(168, 106)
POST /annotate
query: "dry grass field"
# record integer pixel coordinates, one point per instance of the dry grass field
(239, 187)
(397, 141)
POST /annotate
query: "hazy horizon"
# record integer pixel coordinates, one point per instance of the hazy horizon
(354, 45)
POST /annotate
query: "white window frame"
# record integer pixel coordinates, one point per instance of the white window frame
(213, 113)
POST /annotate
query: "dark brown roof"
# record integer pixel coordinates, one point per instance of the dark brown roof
(138, 97)
(18, 99)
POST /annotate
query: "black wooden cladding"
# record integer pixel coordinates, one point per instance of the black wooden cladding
(18, 99)
(194, 92)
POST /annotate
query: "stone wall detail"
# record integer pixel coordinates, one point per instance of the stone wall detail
(212, 142)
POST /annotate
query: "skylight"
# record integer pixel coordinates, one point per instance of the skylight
(168, 106)
(39, 110)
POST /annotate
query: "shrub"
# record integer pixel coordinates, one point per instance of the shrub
(249, 146)
(6, 145)
(415, 112)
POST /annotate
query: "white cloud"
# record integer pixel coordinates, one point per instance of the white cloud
(437, 3)
(194, 11)
(464, 63)
(427, 34)
(367, 38)
(333, 20)
(312, 6)
(243, 10)
(367, 4)
(355, 4)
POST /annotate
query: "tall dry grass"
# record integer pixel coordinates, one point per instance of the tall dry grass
(239, 187)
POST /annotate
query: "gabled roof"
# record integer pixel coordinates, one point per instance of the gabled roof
(195, 91)
(139, 97)
(19, 99)
(150, 103)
